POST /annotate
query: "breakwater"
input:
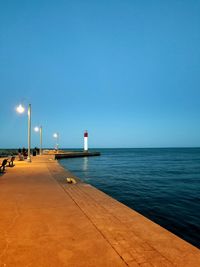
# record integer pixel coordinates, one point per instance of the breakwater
(76, 155)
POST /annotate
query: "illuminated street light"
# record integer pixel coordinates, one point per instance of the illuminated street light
(36, 129)
(56, 136)
(20, 109)
(39, 129)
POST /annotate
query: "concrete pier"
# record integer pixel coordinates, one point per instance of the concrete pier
(73, 154)
(76, 155)
(46, 222)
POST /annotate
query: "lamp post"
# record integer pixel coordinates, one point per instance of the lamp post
(39, 129)
(56, 136)
(20, 109)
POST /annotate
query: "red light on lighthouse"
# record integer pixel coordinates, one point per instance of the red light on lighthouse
(86, 134)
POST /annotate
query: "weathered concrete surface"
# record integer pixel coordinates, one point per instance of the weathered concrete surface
(61, 154)
(46, 222)
(76, 154)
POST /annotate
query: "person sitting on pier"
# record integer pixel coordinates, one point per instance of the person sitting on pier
(3, 165)
(11, 161)
(24, 152)
(21, 157)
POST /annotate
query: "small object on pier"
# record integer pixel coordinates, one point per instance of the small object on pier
(71, 180)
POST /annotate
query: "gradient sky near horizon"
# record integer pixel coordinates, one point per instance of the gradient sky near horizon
(128, 71)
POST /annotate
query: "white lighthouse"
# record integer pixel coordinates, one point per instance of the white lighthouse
(85, 141)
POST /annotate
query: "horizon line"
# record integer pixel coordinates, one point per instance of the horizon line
(167, 147)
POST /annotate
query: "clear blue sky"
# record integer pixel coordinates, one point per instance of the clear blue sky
(128, 71)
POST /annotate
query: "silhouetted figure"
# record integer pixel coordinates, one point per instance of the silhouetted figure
(20, 155)
(24, 152)
(34, 152)
(37, 150)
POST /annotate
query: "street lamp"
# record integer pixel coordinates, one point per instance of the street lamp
(39, 129)
(56, 136)
(20, 109)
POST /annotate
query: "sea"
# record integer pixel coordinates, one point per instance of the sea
(163, 184)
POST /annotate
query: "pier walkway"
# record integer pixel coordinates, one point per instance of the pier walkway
(46, 222)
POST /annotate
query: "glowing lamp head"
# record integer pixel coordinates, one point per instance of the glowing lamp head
(20, 109)
(36, 129)
(55, 135)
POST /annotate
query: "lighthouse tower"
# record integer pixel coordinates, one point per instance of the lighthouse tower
(85, 141)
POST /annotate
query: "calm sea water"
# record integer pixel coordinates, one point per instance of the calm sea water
(162, 184)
